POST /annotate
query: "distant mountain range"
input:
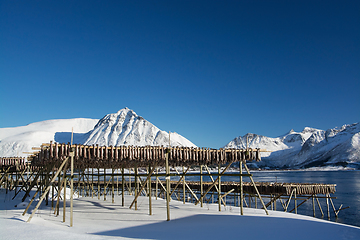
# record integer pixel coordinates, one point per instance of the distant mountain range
(309, 148)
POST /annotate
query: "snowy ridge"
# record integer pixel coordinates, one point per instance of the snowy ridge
(127, 128)
(309, 148)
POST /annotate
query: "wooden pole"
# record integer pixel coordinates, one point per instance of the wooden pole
(313, 205)
(241, 190)
(167, 183)
(64, 200)
(156, 184)
(98, 180)
(328, 207)
(135, 186)
(184, 190)
(71, 185)
(112, 187)
(104, 184)
(295, 201)
(201, 185)
(122, 187)
(219, 189)
(149, 190)
(92, 182)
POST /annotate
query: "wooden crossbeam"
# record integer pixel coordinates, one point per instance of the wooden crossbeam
(301, 203)
(274, 199)
(213, 184)
(179, 181)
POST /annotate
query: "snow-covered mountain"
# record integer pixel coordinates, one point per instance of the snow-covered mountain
(122, 128)
(309, 148)
(127, 128)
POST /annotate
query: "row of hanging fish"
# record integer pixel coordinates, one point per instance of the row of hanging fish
(145, 155)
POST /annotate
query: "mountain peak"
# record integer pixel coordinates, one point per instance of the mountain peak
(310, 130)
(127, 128)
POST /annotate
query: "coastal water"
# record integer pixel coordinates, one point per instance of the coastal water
(347, 191)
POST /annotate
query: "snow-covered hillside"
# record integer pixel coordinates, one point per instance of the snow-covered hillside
(127, 128)
(309, 148)
(122, 128)
(14, 141)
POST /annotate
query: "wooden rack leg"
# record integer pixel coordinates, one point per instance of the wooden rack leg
(122, 187)
(257, 191)
(241, 190)
(149, 190)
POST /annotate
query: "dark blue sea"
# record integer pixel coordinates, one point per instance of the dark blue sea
(347, 191)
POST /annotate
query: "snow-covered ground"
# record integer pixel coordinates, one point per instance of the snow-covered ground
(99, 219)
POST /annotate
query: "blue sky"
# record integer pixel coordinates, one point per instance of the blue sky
(209, 70)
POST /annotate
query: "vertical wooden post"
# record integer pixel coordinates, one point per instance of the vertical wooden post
(184, 190)
(156, 184)
(78, 185)
(64, 200)
(122, 187)
(52, 197)
(92, 182)
(135, 185)
(219, 188)
(167, 183)
(71, 185)
(112, 187)
(313, 205)
(98, 180)
(275, 203)
(328, 207)
(241, 190)
(201, 186)
(295, 201)
(117, 181)
(104, 184)
(149, 191)
(130, 190)
(57, 207)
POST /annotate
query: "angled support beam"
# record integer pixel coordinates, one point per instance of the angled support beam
(257, 191)
(212, 180)
(47, 189)
(142, 187)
